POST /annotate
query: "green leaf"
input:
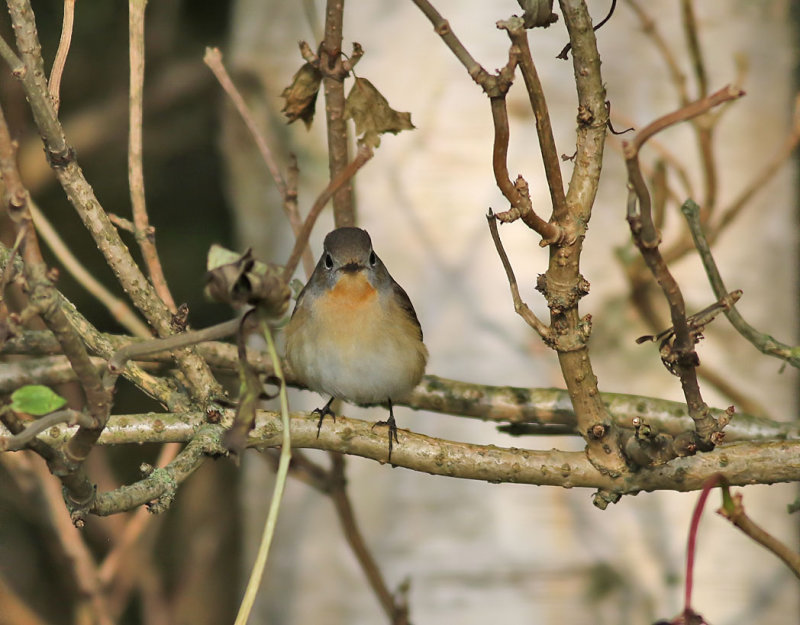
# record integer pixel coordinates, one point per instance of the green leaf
(36, 400)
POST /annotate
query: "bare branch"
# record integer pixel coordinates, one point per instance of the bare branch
(763, 342)
(733, 510)
(544, 129)
(70, 417)
(118, 308)
(520, 307)
(362, 156)
(650, 29)
(442, 28)
(696, 55)
(681, 353)
(516, 193)
(54, 84)
(286, 188)
(693, 109)
(331, 65)
(213, 59)
(145, 233)
(82, 197)
(398, 614)
(742, 463)
(43, 298)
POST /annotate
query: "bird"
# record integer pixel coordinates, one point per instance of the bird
(354, 334)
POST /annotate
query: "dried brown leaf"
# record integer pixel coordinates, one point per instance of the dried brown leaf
(301, 95)
(239, 279)
(372, 114)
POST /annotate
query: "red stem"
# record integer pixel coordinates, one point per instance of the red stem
(713, 481)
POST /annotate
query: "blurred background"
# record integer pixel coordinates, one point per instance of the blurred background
(471, 552)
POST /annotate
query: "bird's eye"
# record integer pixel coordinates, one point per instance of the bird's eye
(328, 261)
(372, 259)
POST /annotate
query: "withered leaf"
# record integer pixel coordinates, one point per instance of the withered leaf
(301, 95)
(241, 279)
(372, 114)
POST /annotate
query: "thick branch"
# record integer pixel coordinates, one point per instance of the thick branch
(739, 463)
(563, 285)
(527, 410)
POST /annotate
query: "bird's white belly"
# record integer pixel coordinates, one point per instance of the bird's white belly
(361, 357)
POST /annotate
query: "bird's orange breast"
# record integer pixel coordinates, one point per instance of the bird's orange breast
(352, 291)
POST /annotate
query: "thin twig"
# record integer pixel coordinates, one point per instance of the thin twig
(544, 129)
(54, 84)
(333, 483)
(650, 29)
(758, 184)
(120, 358)
(290, 202)
(442, 28)
(733, 510)
(520, 307)
(760, 180)
(286, 188)
(145, 233)
(213, 59)
(691, 546)
(564, 54)
(70, 417)
(15, 64)
(516, 194)
(693, 109)
(763, 342)
(647, 239)
(665, 154)
(362, 156)
(344, 509)
(118, 308)
(693, 43)
(684, 357)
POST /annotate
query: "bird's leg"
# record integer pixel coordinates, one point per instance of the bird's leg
(322, 412)
(392, 429)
